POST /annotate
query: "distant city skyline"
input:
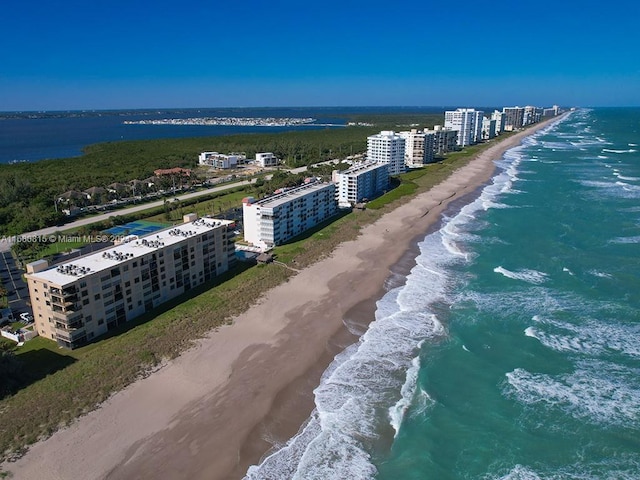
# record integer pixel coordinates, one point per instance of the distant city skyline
(120, 55)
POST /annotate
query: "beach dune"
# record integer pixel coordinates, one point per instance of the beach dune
(220, 406)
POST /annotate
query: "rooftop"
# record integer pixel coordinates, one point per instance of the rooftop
(131, 247)
(287, 196)
(362, 167)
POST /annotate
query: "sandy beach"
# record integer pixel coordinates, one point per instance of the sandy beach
(220, 406)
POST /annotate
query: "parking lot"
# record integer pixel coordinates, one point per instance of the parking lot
(17, 291)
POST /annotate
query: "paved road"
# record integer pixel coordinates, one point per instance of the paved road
(5, 243)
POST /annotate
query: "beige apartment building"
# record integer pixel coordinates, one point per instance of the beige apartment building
(77, 301)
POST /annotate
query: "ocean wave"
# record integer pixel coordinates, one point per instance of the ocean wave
(626, 240)
(370, 388)
(589, 337)
(629, 179)
(619, 467)
(611, 150)
(526, 275)
(599, 392)
(399, 410)
(364, 395)
(598, 273)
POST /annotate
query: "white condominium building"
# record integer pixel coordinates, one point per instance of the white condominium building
(500, 118)
(467, 122)
(418, 147)
(363, 181)
(531, 115)
(488, 128)
(387, 147)
(79, 300)
(278, 218)
(266, 159)
(220, 160)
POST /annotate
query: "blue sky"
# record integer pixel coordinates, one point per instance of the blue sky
(143, 54)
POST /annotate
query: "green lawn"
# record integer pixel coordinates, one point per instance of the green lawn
(69, 383)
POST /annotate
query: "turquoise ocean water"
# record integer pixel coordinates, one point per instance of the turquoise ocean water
(512, 351)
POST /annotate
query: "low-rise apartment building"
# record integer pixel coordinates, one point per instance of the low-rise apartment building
(280, 217)
(221, 160)
(266, 159)
(77, 301)
(363, 181)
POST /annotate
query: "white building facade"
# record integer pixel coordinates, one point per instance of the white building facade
(266, 159)
(467, 122)
(418, 147)
(363, 181)
(488, 128)
(220, 160)
(77, 301)
(278, 218)
(500, 118)
(387, 148)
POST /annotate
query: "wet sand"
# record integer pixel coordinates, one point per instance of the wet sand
(220, 406)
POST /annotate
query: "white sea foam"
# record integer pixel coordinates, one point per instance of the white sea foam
(598, 273)
(526, 275)
(398, 411)
(597, 392)
(610, 150)
(626, 240)
(628, 179)
(594, 337)
(619, 467)
(520, 472)
(369, 389)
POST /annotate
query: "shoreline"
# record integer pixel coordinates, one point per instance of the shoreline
(204, 415)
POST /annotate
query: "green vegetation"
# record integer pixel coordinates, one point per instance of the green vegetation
(55, 386)
(28, 190)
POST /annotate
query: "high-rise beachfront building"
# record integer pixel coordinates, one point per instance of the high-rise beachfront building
(531, 115)
(467, 122)
(387, 147)
(444, 139)
(280, 217)
(363, 181)
(77, 301)
(551, 112)
(514, 117)
(418, 147)
(500, 118)
(488, 128)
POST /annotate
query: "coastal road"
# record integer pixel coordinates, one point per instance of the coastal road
(6, 242)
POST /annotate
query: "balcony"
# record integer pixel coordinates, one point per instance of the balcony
(67, 318)
(70, 335)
